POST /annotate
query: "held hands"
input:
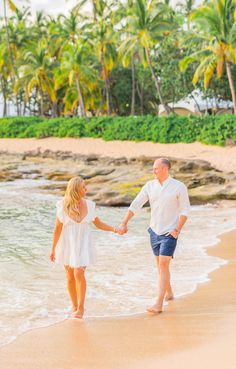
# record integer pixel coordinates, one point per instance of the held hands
(122, 229)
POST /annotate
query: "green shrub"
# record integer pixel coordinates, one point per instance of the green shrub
(208, 129)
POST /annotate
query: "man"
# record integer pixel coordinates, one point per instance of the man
(169, 204)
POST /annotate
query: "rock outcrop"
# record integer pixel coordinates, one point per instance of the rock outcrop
(115, 182)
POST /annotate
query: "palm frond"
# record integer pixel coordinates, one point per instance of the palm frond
(208, 74)
(201, 69)
(12, 6)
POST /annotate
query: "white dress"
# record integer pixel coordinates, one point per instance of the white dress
(75, 246)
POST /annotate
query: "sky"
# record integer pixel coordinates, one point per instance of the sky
(49, 6)
(53, 6)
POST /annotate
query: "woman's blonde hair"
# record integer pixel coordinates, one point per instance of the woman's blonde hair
(72, 198)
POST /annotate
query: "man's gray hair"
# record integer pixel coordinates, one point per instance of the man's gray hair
(166, 162)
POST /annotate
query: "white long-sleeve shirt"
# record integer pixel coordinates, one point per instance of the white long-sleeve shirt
(167, 201)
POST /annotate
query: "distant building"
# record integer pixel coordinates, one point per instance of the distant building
(197, 103)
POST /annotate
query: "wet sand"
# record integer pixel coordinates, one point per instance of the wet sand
(223, 158)
(194, 332)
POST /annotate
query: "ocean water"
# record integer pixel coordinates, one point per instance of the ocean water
(124, 280)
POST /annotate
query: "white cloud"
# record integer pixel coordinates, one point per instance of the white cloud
(62, 6)
(48, 6)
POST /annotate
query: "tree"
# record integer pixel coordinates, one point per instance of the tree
(75, 66)
(5, 72)
(214, 34)
(36, 70)
(147, 26)
(103, 38)
(13, 73)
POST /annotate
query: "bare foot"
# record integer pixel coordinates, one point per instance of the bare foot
(78, 314)
(74, 308)
(155, 309)
(169, 297)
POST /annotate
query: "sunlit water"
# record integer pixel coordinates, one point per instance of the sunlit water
(33, 291)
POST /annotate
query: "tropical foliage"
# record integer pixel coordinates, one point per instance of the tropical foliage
(122, 58)
(215, 32)
(214, 130)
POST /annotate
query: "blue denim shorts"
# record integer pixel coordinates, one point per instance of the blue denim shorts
(163, 244)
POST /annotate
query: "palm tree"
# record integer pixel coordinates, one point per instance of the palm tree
(186, 9)
(39, 27)
(76, 68)
(69, 26)
(214, 33)
(64, 30)
(13, 8)
(19, 37)
(103, 38)
(36, 71)
(124, 11)
(146, 26)
(5, 72)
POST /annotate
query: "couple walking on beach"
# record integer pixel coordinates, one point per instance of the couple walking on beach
(72, 239)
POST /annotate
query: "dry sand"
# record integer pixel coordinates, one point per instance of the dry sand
(223, 158)
(195, 332)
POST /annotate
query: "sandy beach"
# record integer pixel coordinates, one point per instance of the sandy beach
(194, 332)
(223, 158)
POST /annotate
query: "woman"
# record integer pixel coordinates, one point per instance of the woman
(72, 243)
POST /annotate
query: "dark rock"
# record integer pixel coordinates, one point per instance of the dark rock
(229, 142)
(116, 181)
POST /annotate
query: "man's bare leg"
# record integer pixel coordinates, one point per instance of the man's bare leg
(163, 267)
(169, 292)
(71, 286)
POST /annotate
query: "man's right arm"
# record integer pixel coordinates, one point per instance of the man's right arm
(135, 206)
(125, 221)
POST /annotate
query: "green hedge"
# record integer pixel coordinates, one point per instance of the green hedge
(172, 129)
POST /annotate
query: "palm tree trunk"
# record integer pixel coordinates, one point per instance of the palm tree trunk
(4, 108)
(4, 104)
(14, 72)
(54, 109)
(24, 108)
(133, 87)
(81, 101)
(7, 34)
(106, 85)
(41, 111)
(107, 94)
(140, 94)
(157, 84)
(231, 84)
(41, 106)
(4, 98)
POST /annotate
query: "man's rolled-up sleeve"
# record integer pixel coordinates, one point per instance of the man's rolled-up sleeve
(184, 204)
(139, 200)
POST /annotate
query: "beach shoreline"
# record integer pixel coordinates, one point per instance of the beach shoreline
(222, 158)
(196, 324)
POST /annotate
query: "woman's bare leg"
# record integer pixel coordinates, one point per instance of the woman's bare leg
(71, 286)
(81, 290)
